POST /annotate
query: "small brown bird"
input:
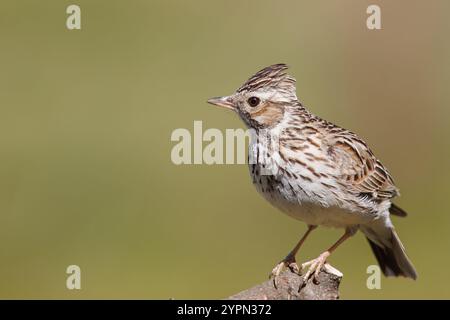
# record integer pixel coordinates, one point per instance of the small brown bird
(320, 173)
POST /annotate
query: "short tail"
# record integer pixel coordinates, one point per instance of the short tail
(389, 250)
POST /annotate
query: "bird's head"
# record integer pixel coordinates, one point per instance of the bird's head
(263, 100)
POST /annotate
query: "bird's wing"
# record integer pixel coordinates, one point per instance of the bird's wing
(359, 169)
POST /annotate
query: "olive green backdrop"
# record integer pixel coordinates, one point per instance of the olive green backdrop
(86, 117)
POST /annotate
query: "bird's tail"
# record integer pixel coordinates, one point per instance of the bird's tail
(388, 249)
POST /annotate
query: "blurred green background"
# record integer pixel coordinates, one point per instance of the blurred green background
(86, 118)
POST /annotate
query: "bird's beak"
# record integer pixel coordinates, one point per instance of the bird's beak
(225, 102)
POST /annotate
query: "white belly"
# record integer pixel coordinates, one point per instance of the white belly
(295, 190)
(315, 214)
(300, 203)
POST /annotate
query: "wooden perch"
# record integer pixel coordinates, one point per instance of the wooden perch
(289, 284)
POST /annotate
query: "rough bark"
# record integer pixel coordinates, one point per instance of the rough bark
(291, 287)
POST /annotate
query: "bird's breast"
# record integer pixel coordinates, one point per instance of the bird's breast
(303, 199)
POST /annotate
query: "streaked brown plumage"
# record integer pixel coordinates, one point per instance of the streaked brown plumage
(320, 173)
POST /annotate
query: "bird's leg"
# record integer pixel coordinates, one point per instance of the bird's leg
(289, 260)
(317, 264)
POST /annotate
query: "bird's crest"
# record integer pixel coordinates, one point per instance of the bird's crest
(272, 77)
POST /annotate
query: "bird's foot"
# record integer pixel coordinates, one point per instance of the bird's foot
(315, 266)
(288, 262)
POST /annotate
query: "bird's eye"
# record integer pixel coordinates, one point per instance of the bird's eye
(253, 101)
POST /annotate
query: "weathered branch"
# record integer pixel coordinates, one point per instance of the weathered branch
(289, 284)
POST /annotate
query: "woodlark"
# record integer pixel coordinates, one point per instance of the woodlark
(321, 174)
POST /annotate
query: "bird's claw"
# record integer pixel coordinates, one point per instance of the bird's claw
(294, 267)
(287, 262)
(315, 266)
